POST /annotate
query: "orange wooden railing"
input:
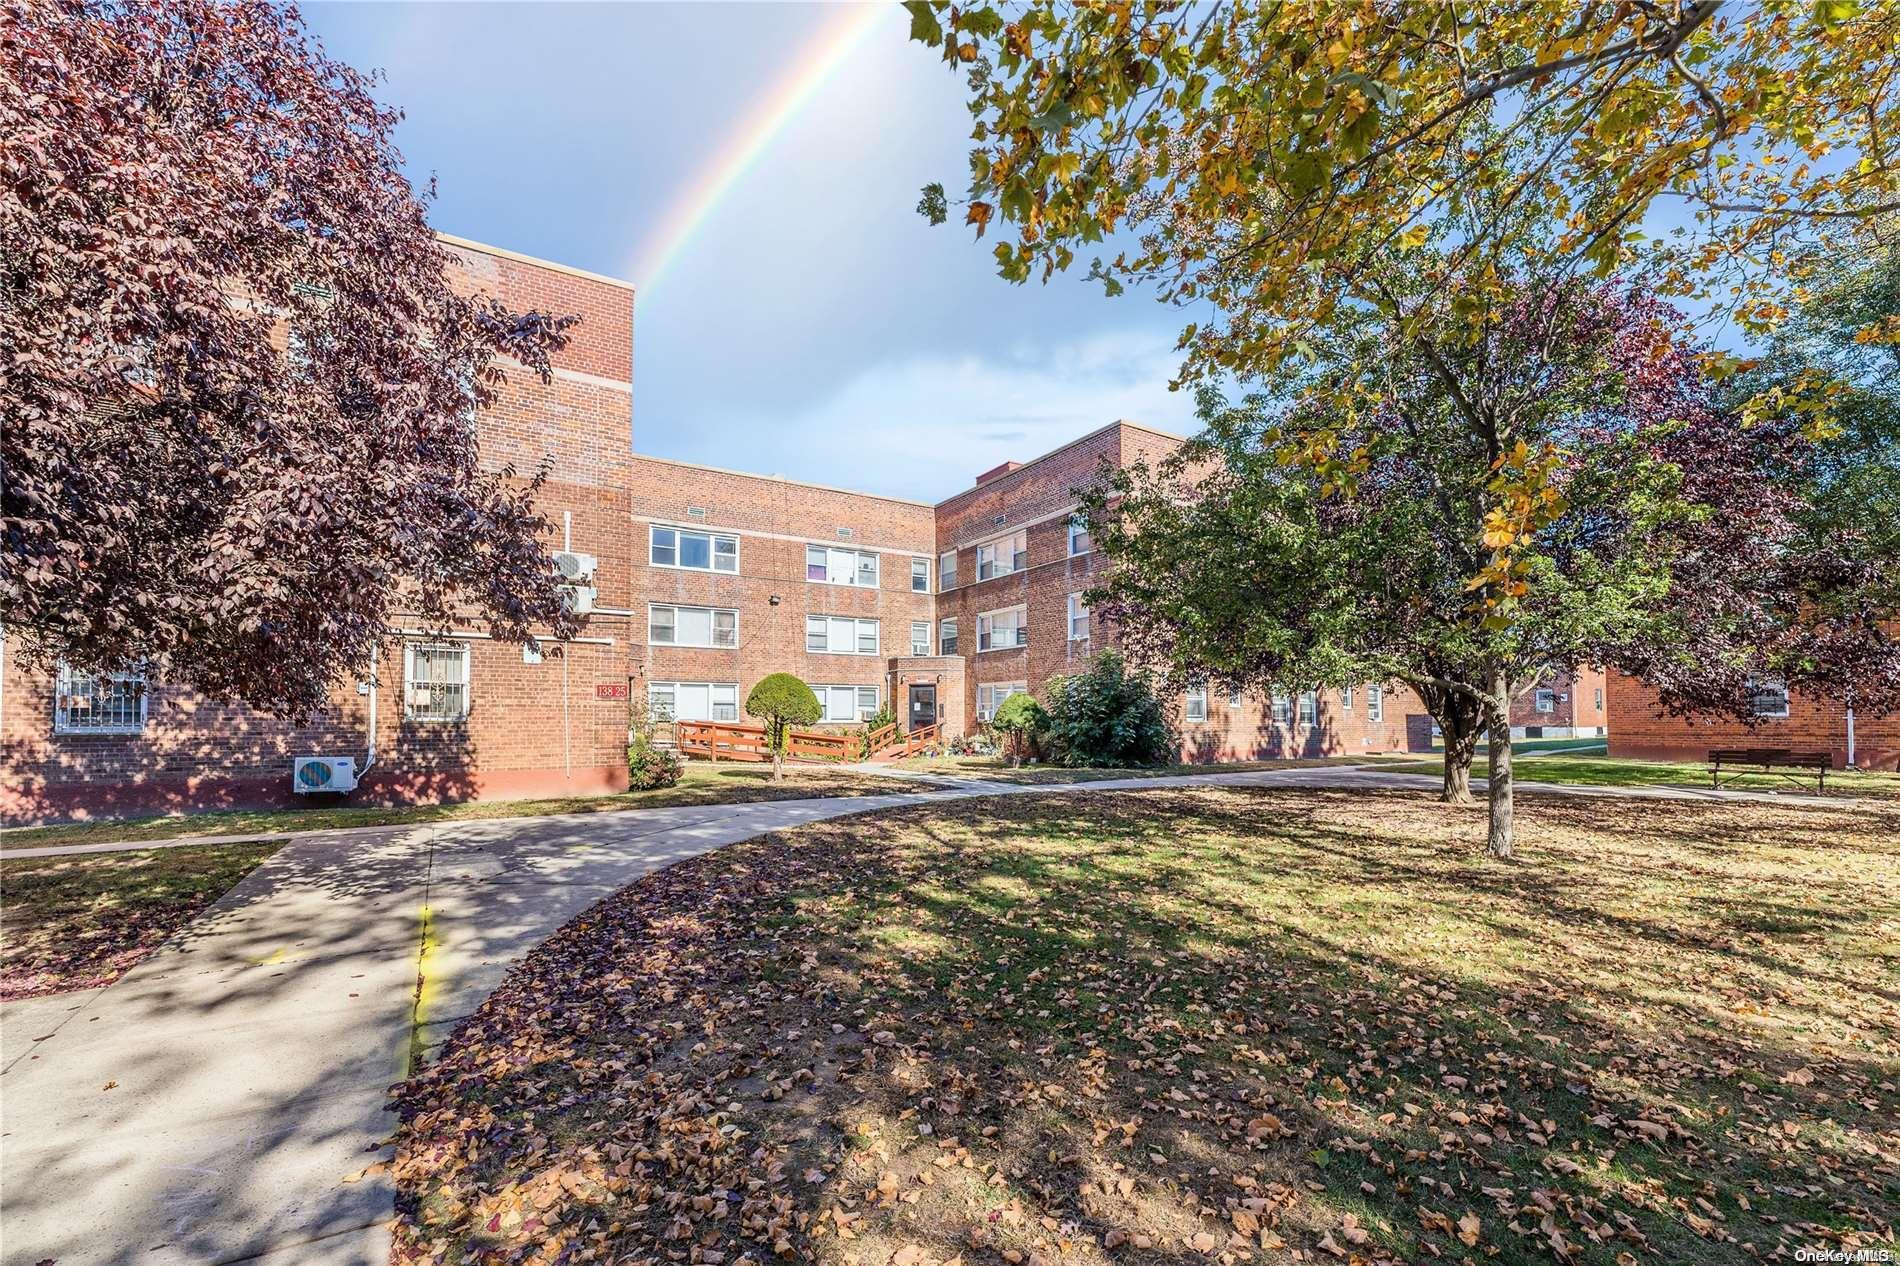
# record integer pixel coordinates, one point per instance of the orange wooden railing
(882, 737)
(729, 740)
(917, 740)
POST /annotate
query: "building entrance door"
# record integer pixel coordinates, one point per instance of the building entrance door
(923, 708)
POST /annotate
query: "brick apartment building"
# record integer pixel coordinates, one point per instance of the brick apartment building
(705, 581)
(1562, 705)
(1640, 727)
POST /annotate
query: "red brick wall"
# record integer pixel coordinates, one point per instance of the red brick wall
(1639, 727)
(774, 520)
(526, 732)
(1579, 703)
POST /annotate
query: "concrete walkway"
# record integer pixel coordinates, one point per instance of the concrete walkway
(218, 1102)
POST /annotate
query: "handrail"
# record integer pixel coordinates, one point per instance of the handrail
(917, 740)
(728, 740)
(882, 737)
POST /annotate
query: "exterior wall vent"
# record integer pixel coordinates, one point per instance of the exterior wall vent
(695, 512)
(845, 534)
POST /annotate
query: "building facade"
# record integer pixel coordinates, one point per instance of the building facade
(1562, 705)
(1641, 727)
(705, 580)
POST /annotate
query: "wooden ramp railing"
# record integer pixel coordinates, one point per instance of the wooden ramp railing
(729, 740)
(882, 737)
(917, 740)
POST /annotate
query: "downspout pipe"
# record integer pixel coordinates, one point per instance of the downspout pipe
(1850, 729)
(369, 750)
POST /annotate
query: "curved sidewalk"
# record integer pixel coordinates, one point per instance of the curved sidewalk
(221, 1102)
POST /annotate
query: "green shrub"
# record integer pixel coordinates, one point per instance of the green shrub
(650, 766)
(878, 721)
(1023, 724)
(1109, 717)
(781, 701)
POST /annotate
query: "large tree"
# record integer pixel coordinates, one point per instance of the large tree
(1271, 166)
(1657, 539)
(237, 391)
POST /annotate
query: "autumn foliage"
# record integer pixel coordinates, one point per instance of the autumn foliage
(239, 391)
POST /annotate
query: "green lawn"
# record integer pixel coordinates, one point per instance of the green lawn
(77, 922)
(704, 783)
(1210, 1025)
(1604, 771)
(996, 769)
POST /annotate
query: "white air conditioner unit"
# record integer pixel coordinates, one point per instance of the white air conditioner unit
(323, 773)
(579, 599)
(578, 568)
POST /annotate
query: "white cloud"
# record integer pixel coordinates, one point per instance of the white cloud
(924, 427)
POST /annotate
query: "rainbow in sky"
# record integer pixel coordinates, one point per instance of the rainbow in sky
(807, 73)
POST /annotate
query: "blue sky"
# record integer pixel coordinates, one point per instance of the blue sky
(815, 326)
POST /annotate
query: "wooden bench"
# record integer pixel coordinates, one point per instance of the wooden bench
(1770, 760)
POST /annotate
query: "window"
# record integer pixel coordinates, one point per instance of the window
(1282, 709)
(692, 626)
(1002, 556)
(693, 700)
(829, 566)
(1599, 698)
(947, 637)
(1079, 542)
(1546, 700)
(990, 696)
(1345, 698)
(1309, 708)
(88, 704)
(695, 551)
(840, 635)
(1375, 701)
(920, 575)
(1078, 618)
(1233, 698)
(435, 682)
(1196, 707)
(920, 637)
(946, 571)
(1768, 696)
(1001, 630)
(847, 703)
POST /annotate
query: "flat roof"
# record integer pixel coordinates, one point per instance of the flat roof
(781, 479)
(1061, 449)
(504, 253)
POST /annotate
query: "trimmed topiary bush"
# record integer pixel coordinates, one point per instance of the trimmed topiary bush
(1109, 717)
(781, 701)
(1023, 724)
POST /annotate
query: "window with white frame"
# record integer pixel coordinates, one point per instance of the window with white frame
(1078, 618)
(669, 625)
(1768, 696)
(1079, 541)
(947, 637)
(946, 571)
(920, 637)
(1233, 698)
(435, 681)
(825, 564)
(990, 696)
(840, 635)
(1195, 707)
(1345, 698)
(920, 575)
(847, 703)
(1002, 630)
(1282, 710)
(88, 703)
(693, 551)
(693, 700)
(1546, 700)
(1599, 698)
(1309, 707)
(1375, 701)
(1003, 555)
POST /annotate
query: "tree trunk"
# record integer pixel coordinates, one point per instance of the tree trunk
(1498, 842)
(1459, 724)
(775, 738)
